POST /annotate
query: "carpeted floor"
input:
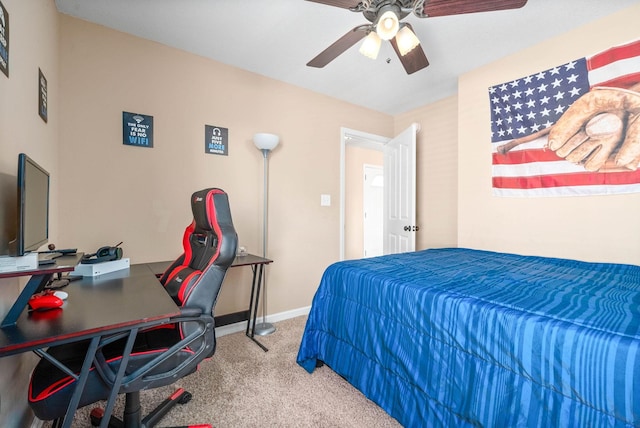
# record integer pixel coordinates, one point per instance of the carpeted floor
(242, 386)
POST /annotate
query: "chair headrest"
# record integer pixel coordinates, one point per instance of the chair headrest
(203, 206)
(212, 215)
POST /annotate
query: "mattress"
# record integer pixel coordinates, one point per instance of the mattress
(462, 337)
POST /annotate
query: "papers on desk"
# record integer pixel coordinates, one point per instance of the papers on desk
(100, 268)
(16, 264)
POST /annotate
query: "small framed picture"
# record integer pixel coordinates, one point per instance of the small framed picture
(137, 129)
(216, 140)
(42, 95)
(4, 40)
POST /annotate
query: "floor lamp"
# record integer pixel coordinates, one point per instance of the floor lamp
(265, 143)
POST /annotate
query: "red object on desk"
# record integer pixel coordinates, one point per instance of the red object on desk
(44, 301)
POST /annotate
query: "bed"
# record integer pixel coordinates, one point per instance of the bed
(460, 337)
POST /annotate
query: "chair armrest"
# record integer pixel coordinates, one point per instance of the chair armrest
(186, 311)
(187, 315)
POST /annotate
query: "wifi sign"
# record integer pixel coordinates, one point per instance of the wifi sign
(137, 129)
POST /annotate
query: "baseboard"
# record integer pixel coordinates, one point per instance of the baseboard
(242, 326)
(232, 318)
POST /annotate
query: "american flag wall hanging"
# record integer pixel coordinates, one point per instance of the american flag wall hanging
(570, 130)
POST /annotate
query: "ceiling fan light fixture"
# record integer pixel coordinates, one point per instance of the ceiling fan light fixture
(371, 45)
(406, 40)
(388, 25)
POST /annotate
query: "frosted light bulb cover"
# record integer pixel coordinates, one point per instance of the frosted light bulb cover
(264, 141)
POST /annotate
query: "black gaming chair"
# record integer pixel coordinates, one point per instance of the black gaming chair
(161, 354)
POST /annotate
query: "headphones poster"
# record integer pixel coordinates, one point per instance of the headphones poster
(216, 140)
(137, 129)
(4, 40)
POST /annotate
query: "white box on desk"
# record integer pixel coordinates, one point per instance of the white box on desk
(96, 269)
(16, 264)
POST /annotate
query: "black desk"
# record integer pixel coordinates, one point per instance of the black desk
(257, 264)
(121, 302)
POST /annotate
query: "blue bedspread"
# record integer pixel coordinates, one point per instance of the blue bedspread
(460, 337)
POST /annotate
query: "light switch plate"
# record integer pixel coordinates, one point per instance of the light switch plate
(325, 200)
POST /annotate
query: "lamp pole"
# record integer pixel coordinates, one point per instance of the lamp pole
(265, 143)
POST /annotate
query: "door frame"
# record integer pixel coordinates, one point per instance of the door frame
(352, 137)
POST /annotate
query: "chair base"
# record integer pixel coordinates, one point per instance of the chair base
(132, 412)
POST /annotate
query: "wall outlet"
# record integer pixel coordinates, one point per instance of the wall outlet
(325, 200)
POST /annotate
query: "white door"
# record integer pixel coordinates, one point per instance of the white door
(400, 192)
(372, 201)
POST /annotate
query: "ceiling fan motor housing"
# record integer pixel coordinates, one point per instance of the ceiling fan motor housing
(378, 8)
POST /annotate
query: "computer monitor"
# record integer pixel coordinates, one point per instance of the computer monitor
(33, 206)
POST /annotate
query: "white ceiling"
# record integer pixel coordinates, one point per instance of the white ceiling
(276, 38)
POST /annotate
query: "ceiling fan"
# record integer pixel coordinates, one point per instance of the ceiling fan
(385, 24)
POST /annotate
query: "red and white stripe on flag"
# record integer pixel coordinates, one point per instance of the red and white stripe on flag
(523, 109)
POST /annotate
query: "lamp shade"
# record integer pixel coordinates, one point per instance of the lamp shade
(371, 45)
(406, 40)
(388, 25)
(264, 141)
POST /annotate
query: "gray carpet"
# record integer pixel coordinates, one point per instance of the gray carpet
(242, 386)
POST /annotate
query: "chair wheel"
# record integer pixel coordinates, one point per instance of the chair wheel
(185, 397)
(96, 416)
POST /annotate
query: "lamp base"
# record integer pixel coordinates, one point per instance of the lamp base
(264, 329)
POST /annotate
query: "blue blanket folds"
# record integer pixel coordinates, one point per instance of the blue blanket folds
(460, 337)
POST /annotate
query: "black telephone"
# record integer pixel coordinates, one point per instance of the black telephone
(104, 254)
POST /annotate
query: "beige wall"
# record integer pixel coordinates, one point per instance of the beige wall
(111, 192)
(603, 228)
(436, 171)
(33, 29)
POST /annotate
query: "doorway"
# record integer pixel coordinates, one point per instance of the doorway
(353, 226)
(399, 188)
(372, 203)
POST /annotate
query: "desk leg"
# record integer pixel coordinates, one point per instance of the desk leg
(253, 309)
(82, 380)
(35, 282)
(115, 388)
(253, 304)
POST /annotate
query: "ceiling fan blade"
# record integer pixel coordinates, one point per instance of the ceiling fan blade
(456, 7)
(338, 47)
(346, 4)
(414, 60)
